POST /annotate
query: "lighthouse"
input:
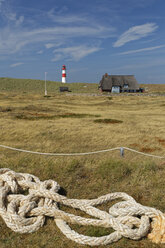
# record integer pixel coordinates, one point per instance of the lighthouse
(64, 74)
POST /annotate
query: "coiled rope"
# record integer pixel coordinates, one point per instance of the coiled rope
(25, 213)
(81, 153)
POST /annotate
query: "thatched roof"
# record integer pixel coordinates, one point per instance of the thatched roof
(108, 81)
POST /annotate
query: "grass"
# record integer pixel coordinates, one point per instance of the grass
(66, 123)
(24, 86)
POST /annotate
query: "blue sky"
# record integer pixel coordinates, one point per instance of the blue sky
(91, 37)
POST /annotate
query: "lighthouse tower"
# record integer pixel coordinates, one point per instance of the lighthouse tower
(64, 74)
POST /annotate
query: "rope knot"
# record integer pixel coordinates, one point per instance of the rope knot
(157, 234)
(25, 201)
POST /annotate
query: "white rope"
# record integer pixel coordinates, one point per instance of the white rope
(59, 154)
(25, 213)
(81, 153)
(142, 153)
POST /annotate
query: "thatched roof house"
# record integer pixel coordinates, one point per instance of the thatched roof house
(118, 83)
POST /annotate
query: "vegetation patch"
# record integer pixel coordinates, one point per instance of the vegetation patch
(47, 96)
(161, 141)
(108, 121)
(134, 145)
(6, 109)
(114, 170)
(39, 116)
(97, 231)
(109, 98)
(148, 149)
(37, 108)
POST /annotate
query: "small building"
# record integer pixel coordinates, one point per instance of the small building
(119, 83)
(64, 89)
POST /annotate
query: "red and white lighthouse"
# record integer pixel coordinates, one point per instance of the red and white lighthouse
(64, 74)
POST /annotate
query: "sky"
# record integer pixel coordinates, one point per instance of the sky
(90, 37)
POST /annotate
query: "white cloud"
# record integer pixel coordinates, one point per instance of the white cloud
(21, 34)
(10, 16)
(40, 52)
(19, 21)
(16, 64)
(51, 45)
(63, 18)
(135, 33)
(70, 19)
(75, 52)
(72, 31)
(13, 40)
(57, 57)
(142, 50)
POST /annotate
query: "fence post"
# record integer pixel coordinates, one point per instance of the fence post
(121, 151)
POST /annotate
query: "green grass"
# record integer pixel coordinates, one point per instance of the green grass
(26, 86)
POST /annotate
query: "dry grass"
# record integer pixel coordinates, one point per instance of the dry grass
(142, 128)
(154, 88)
